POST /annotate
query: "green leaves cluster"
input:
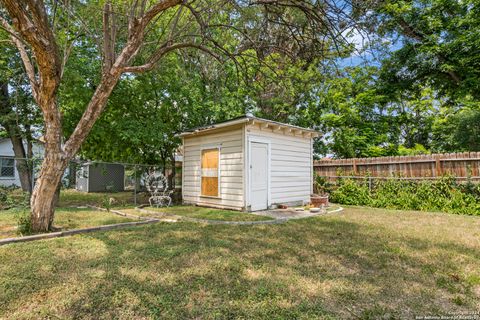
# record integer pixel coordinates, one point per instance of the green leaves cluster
(441, 42)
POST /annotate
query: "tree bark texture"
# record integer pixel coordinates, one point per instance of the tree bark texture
(43, 200)
(45, 195)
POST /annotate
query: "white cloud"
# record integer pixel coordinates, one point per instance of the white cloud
(358, 38)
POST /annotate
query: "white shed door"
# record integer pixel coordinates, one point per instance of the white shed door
(258, 176)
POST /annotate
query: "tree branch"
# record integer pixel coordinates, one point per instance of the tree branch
(108, 37)
(163, 51)
(27, 63)
(156, 9)
(30, 20)
(110, 77)
(410, 32)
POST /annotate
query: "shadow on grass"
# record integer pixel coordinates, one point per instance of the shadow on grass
(313, 268)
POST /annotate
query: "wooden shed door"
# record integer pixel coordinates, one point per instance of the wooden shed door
(258, 176)
(210, 159)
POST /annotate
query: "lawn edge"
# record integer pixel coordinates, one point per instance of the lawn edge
(226, 222)
(75, 231)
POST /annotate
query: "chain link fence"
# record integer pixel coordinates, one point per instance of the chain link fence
(123, 182)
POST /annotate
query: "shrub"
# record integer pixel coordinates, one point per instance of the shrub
(394, 194)
(24, 223)
(11, 197)
(5, 199)
(107, 202)
(320, 184)
(462, 203)
(444, 194)
(352, 193)
(3, 196)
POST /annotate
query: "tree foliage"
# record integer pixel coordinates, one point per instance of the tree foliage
(438, 43)
(408, 104)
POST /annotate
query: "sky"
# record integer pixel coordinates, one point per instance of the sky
(364, 54)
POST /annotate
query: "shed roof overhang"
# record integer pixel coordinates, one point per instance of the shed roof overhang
(265, 123)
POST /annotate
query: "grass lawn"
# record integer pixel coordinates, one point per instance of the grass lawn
(72, 197)
(207, 213)
(360, 263)
(65, 218)
(67, 215)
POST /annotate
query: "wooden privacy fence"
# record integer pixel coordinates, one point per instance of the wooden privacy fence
(460, 165)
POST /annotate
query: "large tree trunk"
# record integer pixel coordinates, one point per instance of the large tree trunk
(45, 195)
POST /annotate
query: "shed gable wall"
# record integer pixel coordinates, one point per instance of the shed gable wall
(231, 143)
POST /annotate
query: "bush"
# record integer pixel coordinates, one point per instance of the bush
(24, 223)
(11, 197)
(352, 193)
(394, 194)
(3, 196)
(444, 194)
(320, 184)
(107, 202)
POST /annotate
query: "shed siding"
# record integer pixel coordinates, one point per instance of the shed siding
(290, 165)
(231, 144)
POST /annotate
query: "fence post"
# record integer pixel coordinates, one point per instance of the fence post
(355, 170)
(135, 185)
(370, 184)
(438, 167)
(33, 173)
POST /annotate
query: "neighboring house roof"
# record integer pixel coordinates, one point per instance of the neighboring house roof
(246, 119)
(39, 140)
(6, 148)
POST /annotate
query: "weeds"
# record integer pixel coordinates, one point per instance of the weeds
(24, 223)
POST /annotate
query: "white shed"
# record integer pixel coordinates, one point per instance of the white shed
(247, 163)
